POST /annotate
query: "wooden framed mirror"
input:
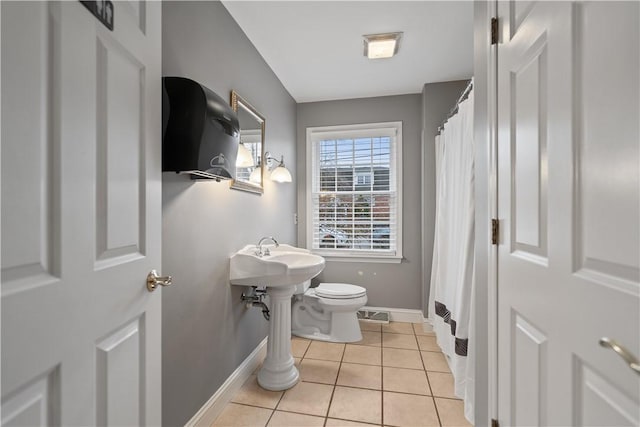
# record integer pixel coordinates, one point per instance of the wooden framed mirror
(249, 170)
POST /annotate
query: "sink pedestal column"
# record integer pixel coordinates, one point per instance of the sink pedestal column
(278, 370)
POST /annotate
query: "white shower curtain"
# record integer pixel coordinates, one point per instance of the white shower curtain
(452, 273)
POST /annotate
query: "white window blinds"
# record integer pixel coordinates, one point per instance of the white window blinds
(354, 190)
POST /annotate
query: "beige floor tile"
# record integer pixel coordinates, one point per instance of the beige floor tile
(428, 343)
(362, 354)
(364, 376)
(418, 328)
(398, 328)
(405, 381)
(370, 338)
(409, 410)
(252, 394)
(325, 351)
(407, 342)
(299, 346)
(441, 384)
(289, 419)
(370, 326)
(332, 422)
(399, 358)
(451, 413)
(240, 415)
(307, 398)
(357, 404)
(319, 371)
(435, 361)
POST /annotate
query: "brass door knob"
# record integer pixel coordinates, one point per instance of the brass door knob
(153, 280)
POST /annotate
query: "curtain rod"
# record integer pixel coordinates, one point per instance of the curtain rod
(454, 110)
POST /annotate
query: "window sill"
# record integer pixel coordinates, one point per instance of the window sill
(360, 258)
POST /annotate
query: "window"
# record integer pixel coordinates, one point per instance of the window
(363, 178)
(354, 191)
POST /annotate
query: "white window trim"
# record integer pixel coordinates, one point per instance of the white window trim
(313, 133)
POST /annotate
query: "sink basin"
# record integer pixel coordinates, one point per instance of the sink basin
(285, 266)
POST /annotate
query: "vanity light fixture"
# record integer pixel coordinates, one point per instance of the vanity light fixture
(378, 46)
(279, 173)
(256, 175)
(245, 158)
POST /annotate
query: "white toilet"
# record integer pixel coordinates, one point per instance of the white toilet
(327, 312)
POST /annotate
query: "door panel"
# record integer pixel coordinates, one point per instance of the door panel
(35, 404)
(568, 202)
(120, 173)
(528, 373)
(607, 179)
(520, 10)
(80, 215)
(599, 402)
(29, 221)
(137, 9)
(120, 387)
(528, 111)
(525, 355)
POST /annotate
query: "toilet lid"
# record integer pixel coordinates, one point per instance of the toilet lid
(339, 290)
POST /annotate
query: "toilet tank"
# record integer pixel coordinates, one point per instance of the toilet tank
(302, 287)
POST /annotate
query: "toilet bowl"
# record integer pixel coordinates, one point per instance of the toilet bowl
(327, 312)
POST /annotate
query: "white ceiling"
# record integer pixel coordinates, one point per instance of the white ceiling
(316, 47)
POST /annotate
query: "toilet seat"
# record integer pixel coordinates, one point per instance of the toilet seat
(339, 291)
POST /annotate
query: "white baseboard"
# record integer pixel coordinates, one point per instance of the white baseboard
(399, 314)
(427, 326)
(214, 406)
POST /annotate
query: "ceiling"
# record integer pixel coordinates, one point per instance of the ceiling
(316, 47)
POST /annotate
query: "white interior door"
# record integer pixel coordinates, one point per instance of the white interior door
(568, 202)
(81, 199)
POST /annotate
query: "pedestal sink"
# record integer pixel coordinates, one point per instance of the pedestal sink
(280, 271)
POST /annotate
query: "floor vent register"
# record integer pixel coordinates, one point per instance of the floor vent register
(373, 316)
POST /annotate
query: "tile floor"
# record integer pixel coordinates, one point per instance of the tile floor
(395, 376)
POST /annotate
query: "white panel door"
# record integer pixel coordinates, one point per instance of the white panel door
(568, 205)
(81, 200)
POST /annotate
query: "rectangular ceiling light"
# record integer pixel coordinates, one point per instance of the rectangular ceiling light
(377, 46)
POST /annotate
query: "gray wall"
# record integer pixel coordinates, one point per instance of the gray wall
(437, 101)
(388, 285)
(207, 332)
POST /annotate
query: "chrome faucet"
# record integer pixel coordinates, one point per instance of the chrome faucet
(260, 252)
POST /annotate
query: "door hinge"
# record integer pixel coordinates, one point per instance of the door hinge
(494, 423)
(495, 231)
(494, 31)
